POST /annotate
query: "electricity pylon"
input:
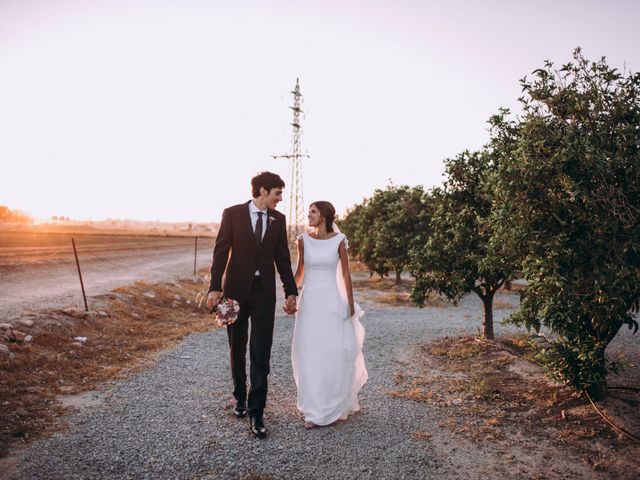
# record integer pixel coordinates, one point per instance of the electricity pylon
(295, 207)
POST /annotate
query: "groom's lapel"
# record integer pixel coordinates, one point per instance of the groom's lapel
(271, 227)
(247, 224)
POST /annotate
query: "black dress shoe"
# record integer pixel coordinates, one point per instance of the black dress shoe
(239, 410)
(257, 427)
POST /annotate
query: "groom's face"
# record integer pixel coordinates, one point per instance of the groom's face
(273, 197)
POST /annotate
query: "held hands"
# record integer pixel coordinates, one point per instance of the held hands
(213, 299)
(290, 305)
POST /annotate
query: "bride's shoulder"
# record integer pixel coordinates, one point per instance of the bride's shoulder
(343, 239)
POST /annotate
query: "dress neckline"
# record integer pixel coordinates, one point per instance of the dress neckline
(322, 239)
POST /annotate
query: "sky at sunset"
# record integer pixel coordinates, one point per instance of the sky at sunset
(164, 110)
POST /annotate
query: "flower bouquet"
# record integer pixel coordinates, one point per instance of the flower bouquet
(227, 311)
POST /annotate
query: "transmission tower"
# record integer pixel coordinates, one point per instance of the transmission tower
(295, 205)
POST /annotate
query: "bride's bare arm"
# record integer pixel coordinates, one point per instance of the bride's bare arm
(346, 275)
(299, 275)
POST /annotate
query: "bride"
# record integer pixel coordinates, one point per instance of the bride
(328, 365)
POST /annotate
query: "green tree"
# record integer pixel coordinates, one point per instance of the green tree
(356, 226)
(383, 228)
(400, 217)
(568, 201)
(460, 255)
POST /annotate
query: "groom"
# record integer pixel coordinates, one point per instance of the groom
(252, 237)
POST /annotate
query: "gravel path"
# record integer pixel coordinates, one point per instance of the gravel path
(173, 421)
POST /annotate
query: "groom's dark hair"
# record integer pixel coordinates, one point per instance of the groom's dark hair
(266, 180)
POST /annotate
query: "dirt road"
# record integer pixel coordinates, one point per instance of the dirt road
(39, 271)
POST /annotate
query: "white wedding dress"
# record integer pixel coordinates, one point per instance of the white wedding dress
(328, 365)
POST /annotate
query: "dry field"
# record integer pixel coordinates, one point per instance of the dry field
(38, 270)
(21, 249)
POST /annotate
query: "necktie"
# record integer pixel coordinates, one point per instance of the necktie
(258, 231)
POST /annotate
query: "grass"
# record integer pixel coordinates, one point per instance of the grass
(385, 292)
(377, 283)
(499, 304)
(256, 476)
(401, 298)
(479, 387)
(422, 436)
(456, 348)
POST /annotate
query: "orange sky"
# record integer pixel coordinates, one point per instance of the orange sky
(164, 110)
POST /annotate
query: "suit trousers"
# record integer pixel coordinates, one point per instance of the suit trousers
(262, 314)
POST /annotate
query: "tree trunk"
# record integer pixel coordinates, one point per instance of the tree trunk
(487, 324)
(398, 279)
(598, 391)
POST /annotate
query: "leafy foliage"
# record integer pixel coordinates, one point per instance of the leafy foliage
(555, 195)
(383, 228)
(568, 203)
(459, 255)
(356, 226)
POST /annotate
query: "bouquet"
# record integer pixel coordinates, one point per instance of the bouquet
(227, 311)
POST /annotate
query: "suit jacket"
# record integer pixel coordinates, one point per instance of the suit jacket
(237, 256)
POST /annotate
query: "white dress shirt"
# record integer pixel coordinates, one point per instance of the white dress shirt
(253, 213)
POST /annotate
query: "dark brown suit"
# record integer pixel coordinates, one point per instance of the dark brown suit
(237, 256)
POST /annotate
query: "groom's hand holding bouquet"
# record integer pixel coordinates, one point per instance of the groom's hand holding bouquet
(226, 309)
(213, 299)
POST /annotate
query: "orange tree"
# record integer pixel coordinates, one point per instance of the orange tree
(384, 228)
(355, 225)
(459, 255)
(568, 202)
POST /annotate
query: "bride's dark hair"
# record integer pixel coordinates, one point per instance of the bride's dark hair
(327, 211)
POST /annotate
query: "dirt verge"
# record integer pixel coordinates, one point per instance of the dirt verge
(491, 392)
(72, 351)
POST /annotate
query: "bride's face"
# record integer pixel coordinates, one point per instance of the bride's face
(315, 218)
